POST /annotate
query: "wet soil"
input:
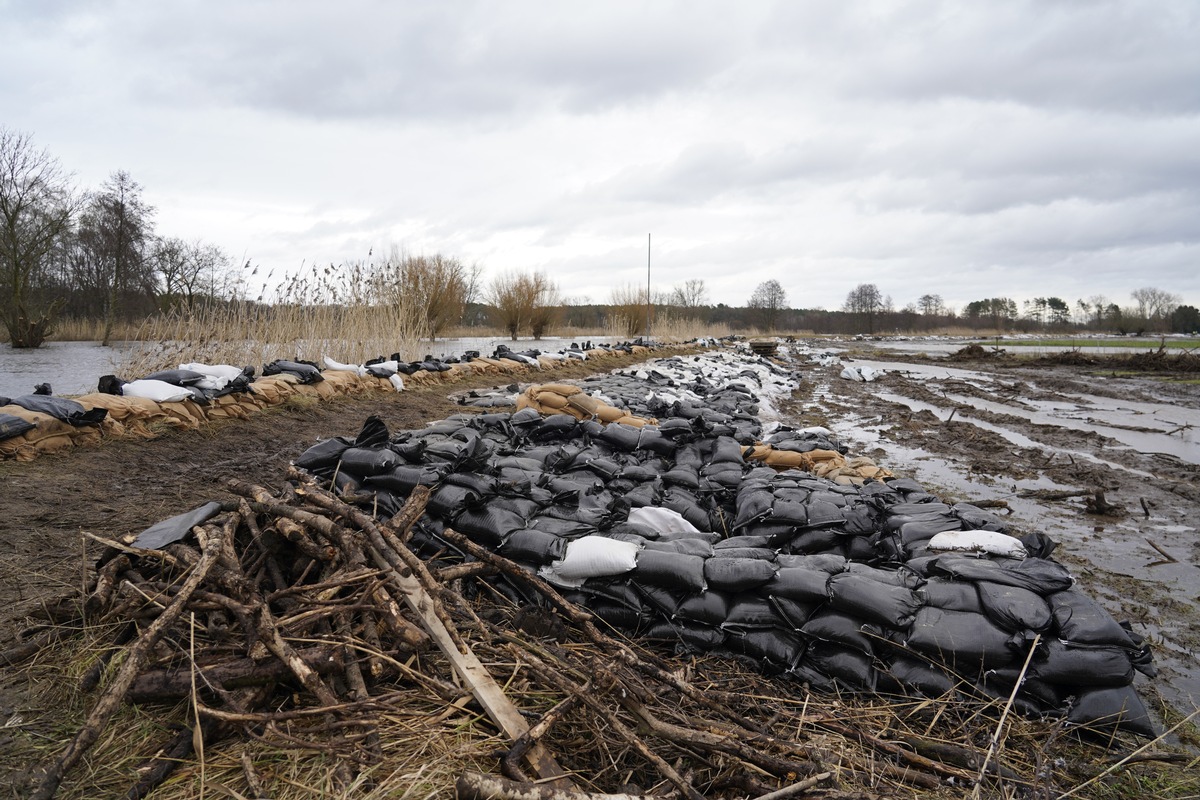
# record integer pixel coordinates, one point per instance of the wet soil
(968, 436)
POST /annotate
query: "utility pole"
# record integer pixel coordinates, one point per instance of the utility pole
(649, 305)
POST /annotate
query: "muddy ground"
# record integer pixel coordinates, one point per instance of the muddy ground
(962, 429)
(1140, 558)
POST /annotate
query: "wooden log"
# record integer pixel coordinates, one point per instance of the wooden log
(98, 718)
(172, 684)
(477, 786)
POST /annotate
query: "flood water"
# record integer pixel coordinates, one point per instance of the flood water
(74, 368)
(1143, 426)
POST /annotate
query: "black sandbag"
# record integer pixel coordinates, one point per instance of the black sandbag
(798, 583)
(1014, 608)
(1103, 710)
(11, 426)
(691, 547)
(921, 676)
(1035, 574)
(692, 637)
(753, 507)
(622, 617)
(815, 541)
(374, 433)
(305, 371)
(822, 562)
(710, 607)
(620, 437)
(870, 600)
(747, 613)
(675, 571)
(756, 553)
(898, 576)
(951, 595)
(172, 529)
(741, 542)
(344, 483)
(684, 504)
(789, 512)
(779, 649)
(664, 601)
(534, 546)
(1001, 681)
(822, 514)
(482, 485)
(1062, 664)
(448, 499)
(489, 526)
(737, 574)
(554, 427)
(369, 461)
(960, 639)
(850, 667)
(566, 528)
(792, 613)
(684, 476)
(176, 377)
(1081, 620)
(859, 548)
(403, 478)
(829, 625)
(60, 408)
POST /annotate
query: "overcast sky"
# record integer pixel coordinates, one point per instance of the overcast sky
(967, 149)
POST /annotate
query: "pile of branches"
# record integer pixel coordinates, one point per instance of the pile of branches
(299, 621)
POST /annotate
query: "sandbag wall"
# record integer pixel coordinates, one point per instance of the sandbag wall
(34, 424)
(669, 532)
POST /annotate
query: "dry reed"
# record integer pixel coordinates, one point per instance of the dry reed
(349, 313)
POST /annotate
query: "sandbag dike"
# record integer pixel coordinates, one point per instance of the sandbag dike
(685, 520)
(33, 424)
(351, 628)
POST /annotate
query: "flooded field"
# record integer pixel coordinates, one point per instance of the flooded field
(1037, 444)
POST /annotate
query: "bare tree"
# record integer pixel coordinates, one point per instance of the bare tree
(690, 297)
(37, 207)
(437, 287)
(190, 271)
(523, 301)
(866, 301)
(1155, 305)
(117, 229)
(768, 300)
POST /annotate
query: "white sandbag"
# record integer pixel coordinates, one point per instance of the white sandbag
(990, 542)
(158, 391)
(357, 369)
(591, 557)
(861, 374)
(660, 519)
(397, 381)
(216, 376)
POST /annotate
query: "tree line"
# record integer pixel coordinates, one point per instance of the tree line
(97, 255)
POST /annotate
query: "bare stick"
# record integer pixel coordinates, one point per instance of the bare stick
(111, 700)
(994, 744)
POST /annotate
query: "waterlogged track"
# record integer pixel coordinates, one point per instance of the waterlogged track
(1042, 441)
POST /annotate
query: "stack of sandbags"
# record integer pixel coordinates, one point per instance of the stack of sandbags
(36, 424)
(563, 398)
